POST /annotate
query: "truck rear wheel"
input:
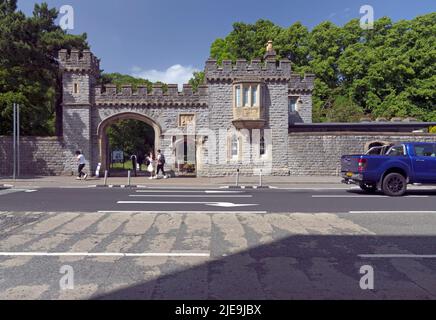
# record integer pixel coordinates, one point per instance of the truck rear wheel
(368, 187)
(394, 185)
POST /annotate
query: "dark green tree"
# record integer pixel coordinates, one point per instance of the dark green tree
(29, 69)
(132, 137)
(120, 79)
(388, 71)
(196, 80)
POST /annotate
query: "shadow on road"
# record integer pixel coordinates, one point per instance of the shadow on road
(300, 267)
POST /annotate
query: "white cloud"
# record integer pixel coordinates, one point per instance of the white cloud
(176, 74)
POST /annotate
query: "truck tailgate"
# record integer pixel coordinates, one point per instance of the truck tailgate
(350, 163)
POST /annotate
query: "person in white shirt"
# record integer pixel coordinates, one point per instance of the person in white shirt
(151, 164)
(81, 161)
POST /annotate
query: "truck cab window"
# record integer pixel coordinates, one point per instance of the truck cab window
(397, 151)
(425, 150)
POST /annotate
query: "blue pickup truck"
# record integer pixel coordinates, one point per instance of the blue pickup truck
(392, 171)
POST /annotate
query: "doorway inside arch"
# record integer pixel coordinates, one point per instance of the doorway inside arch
(128, 143)
(185, 154)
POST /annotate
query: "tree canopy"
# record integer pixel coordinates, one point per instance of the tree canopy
(28, 67)
(132, 137)
(389, 71)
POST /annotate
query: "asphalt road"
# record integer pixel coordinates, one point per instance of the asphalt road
(278, 244)
(262, 200)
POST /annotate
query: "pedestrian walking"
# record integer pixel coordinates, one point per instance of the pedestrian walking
(161, 164)
(140, 161)
(81, 162)
(151, 164)
(134, 160)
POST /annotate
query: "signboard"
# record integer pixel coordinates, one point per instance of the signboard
(117, 156)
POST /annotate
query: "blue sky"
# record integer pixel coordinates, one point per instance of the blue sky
(168, 39)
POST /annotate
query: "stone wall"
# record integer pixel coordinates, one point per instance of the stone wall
(39, 156)
(309, 153)
(320, 153)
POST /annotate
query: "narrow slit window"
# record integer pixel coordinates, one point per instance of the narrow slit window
(234, 147)
(262, 147)
(76, 88)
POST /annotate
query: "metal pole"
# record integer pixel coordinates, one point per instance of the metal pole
(14, 174)
(18, 141)
(128, 178)
(237, 177)
(105, 177)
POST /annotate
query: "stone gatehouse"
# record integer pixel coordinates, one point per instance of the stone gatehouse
(246, 116)
(237, 119)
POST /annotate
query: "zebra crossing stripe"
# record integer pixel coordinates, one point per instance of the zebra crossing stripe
(104, 254)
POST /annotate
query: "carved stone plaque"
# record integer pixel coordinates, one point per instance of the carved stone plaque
(186, 120)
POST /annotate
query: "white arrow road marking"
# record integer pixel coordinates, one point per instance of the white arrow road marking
(200, 188)
(30, 191)
(230, 205)
(214, 204)
(189, 196)
(190, 191)
(223, 192)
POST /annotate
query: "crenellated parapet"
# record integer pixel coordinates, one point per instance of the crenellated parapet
(268, 70)
(111, 95)
(78, 61)
(298, 84)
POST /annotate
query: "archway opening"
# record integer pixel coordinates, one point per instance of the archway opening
(129, 143)
(125, 142)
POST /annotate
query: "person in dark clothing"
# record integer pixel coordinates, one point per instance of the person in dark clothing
(134, 159)
(161, 163)
(140, 161)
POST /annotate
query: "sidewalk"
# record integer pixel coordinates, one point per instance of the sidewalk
(69, 181)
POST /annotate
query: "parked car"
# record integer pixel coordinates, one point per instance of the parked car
(402, 164)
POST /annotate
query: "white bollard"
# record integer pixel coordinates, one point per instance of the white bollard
(237, 177)
(128, 178)
(105, 177)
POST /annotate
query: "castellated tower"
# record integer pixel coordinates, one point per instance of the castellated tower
(80, 71)
(260, 99)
